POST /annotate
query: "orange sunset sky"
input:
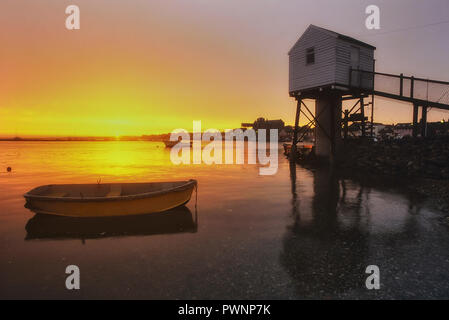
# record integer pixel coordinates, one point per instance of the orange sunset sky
(140, 67)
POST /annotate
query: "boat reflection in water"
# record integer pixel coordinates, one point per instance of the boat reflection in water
(178, 220)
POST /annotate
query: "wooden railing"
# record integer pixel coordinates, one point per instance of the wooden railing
(408, 88)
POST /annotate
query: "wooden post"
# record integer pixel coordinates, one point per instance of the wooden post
(412, 86)
(372, 100)
(401, 88)
(362, 113)
(328, 127)
(295, 132)
(333, 128)
(424, 122)
(345, 123)
(415, 120)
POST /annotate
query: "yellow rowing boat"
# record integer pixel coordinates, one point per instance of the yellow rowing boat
(114, 199)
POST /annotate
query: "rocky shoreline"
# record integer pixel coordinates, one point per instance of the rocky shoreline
(424, 158)
(424, 162)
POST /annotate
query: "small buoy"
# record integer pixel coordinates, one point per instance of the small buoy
(8, 169)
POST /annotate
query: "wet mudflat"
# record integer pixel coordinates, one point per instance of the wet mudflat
(299, 234)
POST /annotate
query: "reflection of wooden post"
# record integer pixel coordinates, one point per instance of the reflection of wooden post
(424, 122)
(295, 132)
(415, 120)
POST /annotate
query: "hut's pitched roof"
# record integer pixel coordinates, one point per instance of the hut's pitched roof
(336, 35)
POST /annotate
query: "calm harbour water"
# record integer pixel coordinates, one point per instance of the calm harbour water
(298, 234)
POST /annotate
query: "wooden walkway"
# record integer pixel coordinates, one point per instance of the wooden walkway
(419, 91)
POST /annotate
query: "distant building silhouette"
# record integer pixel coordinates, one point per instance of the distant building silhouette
(262, 123)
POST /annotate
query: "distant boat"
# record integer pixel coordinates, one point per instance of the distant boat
(171, 144)
(115, 199)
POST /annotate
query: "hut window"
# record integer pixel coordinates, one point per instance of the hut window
(310, 56)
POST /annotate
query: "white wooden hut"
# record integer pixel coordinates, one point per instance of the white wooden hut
(322, 58)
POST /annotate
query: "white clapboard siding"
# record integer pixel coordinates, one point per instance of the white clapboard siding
(344, 60)
(332, 59)
(322, 72)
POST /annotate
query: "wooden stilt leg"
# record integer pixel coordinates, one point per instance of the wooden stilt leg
(415, 120)
(424, 122)
(346, 129)
(362, 113)
(295, 132)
